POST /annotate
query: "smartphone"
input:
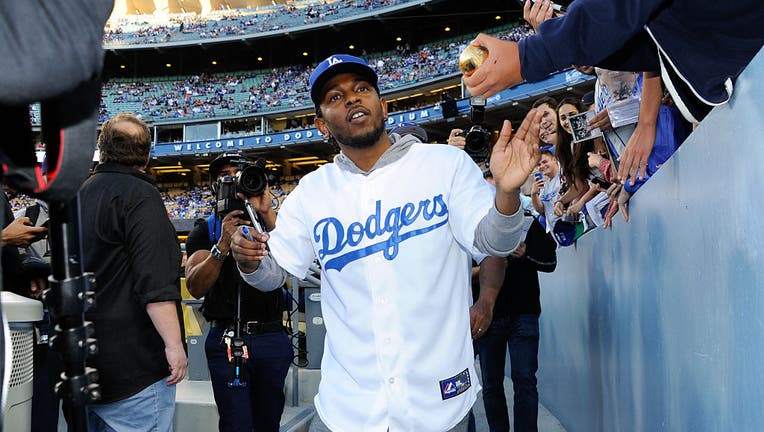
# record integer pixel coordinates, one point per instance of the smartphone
(603, 184)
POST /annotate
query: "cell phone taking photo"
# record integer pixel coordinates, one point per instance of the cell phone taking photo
(602, 183)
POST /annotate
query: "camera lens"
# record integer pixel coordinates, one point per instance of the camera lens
(476, 139)
(252, 181)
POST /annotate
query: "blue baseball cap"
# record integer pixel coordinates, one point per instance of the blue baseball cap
(565, 233)
(334, 65)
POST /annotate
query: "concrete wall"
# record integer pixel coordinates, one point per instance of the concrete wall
(658, 324)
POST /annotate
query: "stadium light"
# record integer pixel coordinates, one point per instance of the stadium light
(214, 62)
(398, 39)
(121, 66)
(448, 29)
(168, 65)
(304, 53)
(498, 17)
(259, 59)
(351, 47)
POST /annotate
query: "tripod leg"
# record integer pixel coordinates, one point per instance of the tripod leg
(68, 298)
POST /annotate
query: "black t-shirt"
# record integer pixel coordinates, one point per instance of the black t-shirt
(131, 246)
(219, 300)
(519, 294)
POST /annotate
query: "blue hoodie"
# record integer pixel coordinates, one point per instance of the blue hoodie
(700, 46)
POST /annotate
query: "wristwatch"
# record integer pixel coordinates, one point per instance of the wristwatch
(220, 256)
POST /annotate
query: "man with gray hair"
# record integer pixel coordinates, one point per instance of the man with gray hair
(131, 246)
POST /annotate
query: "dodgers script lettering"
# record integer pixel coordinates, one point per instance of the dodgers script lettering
(334, 238)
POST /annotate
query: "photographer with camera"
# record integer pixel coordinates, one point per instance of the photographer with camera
(476, 139)
(253, 399)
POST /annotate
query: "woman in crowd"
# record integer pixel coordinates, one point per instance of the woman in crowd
(573, 158)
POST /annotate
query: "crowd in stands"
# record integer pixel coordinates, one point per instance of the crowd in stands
(583, 183)
(191, 203)
(19, 201)
(249, 92)
(198, 202)
(243, 93)
(141, 29)
(188, 204)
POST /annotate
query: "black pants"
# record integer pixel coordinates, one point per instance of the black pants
(47, 366)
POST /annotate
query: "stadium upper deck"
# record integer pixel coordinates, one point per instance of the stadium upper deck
(169, 99)
(159, 28)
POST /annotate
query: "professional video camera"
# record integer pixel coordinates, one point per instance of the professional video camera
(250, 180)
(477, 137)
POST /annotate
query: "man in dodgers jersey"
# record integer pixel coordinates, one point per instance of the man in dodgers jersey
(393, 223)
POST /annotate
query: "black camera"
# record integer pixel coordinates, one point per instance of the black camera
(250, 180)
(477, 137)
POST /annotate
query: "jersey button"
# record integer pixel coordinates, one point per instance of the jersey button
(391, 380)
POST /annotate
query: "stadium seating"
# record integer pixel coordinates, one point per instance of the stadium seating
(240, 94)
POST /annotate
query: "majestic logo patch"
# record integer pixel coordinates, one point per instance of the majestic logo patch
(333, 238)
(456, 385)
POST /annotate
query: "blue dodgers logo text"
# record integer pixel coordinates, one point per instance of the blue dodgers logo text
(333, 238)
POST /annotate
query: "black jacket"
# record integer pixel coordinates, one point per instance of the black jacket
(519, 294)
(131, 246)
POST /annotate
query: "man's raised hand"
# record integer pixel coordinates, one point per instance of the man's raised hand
(513, 160)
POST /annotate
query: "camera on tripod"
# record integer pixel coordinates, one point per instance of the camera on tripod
(250, 180)
(477, 137)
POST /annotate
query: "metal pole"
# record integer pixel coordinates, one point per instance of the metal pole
(294, 283)
(67, 298)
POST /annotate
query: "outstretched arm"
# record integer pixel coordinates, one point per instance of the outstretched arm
(256, 267)
(592, 32)
(634, 158)
(513, 160)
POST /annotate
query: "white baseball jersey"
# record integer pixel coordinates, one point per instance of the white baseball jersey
(394, 247)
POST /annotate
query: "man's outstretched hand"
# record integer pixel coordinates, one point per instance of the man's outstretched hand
(513, 160)
(248, 253)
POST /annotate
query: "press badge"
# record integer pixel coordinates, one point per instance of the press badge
(456, 385)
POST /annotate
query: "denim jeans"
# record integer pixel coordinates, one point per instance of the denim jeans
(258, 406)
(521, 334)
(152, 409)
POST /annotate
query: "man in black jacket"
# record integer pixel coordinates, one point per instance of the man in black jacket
(131, 246)
(516, 325)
